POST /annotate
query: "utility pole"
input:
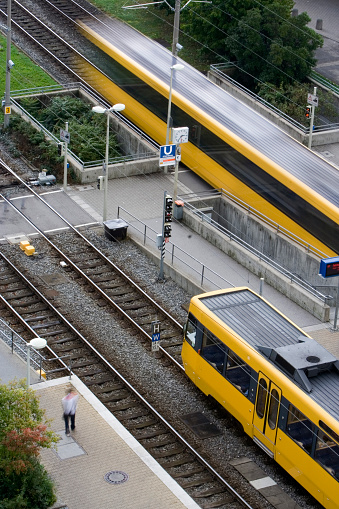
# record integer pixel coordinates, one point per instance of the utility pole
(65, 157)
(312, 118)
(176, 30)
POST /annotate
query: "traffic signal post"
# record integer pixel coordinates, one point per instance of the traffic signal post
(166, 229)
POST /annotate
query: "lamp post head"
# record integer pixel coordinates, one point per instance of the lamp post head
(117, 107)
(38, 343)
(178, 67)
(99, 109)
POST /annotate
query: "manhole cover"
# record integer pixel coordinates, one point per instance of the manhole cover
(200, 425)
(116, 477)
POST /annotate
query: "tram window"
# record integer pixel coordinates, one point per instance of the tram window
(327, 453)
(191, 330)
(261, 399)
(329, 431)
(300, 429)
(238, 373)
(273, 411)
(213, 350)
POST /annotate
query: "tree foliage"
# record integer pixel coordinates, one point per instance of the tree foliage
(23, 427)
(288, 98)
(262, 38)
(87, 131)
(87, 128)
(24, 483)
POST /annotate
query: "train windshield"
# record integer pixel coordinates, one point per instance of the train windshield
(191, 330)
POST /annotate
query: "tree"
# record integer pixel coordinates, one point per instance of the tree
(87, 128)
(209, 23)
(23, 432)
(271, 46)
(262, 38)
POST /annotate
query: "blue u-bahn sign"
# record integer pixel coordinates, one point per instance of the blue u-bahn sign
(329, 267)
(167, 155)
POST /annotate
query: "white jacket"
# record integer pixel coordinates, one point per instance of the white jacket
(69, 403)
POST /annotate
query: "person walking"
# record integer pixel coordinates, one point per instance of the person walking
(69, 405)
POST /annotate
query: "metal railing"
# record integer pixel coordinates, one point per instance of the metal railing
(218, 69)
(260, 255)
(37, 360)
(19, 346)
(87, 164)
(178, 255)
(318, 78)
(222, 193)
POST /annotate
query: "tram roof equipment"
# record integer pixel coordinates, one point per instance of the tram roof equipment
(301, 358)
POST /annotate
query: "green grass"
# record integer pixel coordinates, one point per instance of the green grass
(24, 74)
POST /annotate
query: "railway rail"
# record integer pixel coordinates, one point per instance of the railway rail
(35, 31)
(114, 286)
(66, 346)
(68, 351)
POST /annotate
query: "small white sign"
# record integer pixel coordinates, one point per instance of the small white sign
(155, 341)
(312, 99)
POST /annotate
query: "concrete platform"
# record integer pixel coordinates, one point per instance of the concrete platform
(13, 226)
(101, 465)
(100, 446)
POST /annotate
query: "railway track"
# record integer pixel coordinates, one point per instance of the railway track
(65, 57)
(67, 348)
(113, 286)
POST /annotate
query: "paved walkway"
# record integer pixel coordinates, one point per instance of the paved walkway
(100, 446)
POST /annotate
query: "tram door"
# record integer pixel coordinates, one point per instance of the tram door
(266, 413)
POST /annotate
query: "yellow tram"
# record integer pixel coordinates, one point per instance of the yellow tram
(230, 146)
(280, 384)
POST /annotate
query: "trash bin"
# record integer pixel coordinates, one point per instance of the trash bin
(115, 229)
(178, 210)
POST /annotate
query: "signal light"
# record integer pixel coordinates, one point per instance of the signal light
(167, 230)
(100, 182)
(60, 146)
(168, 204)
(168, 216)
(308, 111)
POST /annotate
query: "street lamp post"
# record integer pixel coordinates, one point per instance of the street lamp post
(38, 344)
(175, 67)
(100, 109)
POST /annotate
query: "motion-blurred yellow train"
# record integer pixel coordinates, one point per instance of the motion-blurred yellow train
(230, 145)
(280, 384)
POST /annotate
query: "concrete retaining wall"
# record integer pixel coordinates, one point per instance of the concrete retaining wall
(178, 277)
(257, 266)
